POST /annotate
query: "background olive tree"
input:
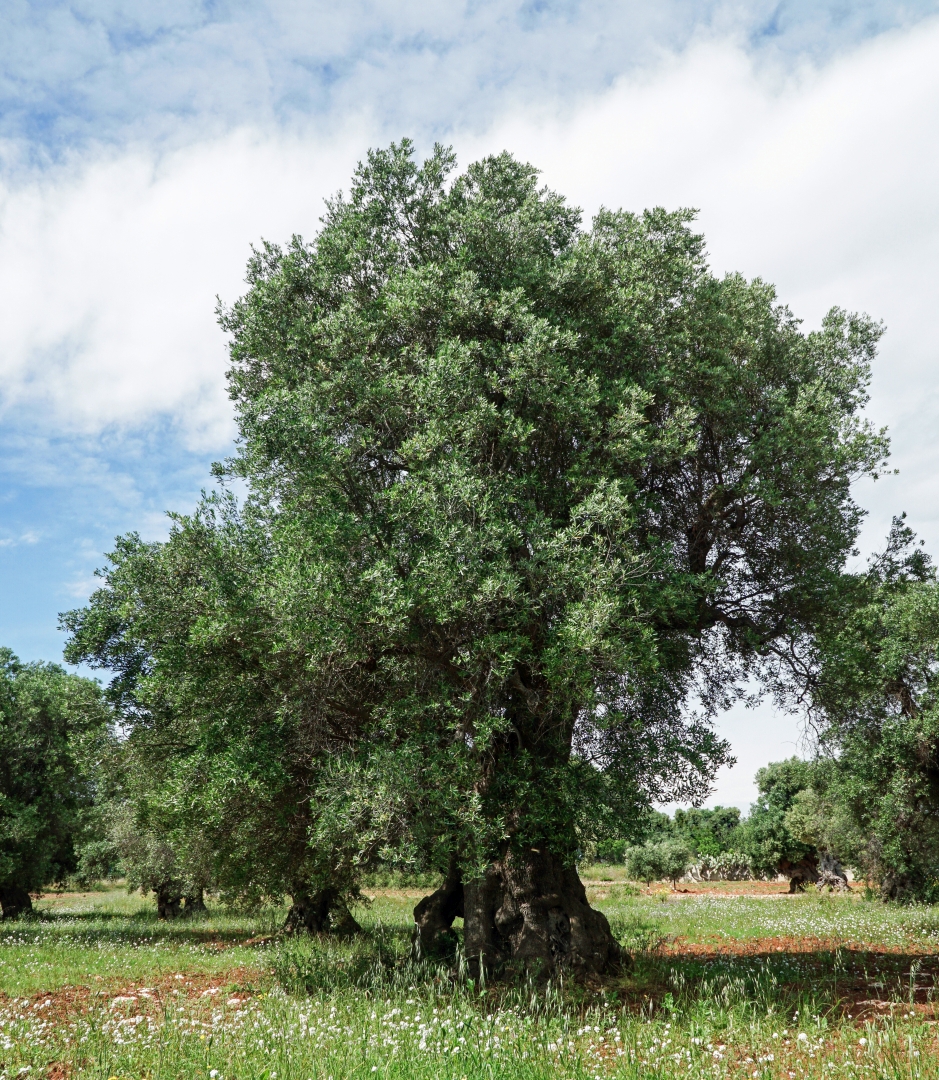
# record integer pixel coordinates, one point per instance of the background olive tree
(214, 780)
(875, 702)
(53, 727)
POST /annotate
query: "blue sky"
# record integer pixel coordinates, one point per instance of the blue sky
(144, 146)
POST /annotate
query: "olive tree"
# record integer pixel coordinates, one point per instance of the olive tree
(875, 701)
(51, 725)
(766, 835)
(531, 487)
(214, 780)
(668, 860)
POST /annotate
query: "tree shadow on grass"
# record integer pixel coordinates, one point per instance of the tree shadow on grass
(798, 981)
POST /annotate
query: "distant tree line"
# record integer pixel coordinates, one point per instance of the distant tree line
(525, 503)
(777, 837)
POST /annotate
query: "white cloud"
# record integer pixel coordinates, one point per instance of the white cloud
(80, 587)
(823, 181)
(109, 273)
(79, 70)
(758, 735)
(29, 537)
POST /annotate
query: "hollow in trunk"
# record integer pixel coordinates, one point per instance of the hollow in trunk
(195, 903)
(434, 915)
(169, 899)
(802, 873)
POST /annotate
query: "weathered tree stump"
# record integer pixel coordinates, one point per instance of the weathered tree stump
(831, 874)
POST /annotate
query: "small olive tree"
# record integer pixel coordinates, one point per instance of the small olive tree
(876, 703)
(665, 861)
(765, 834)
(215, 779)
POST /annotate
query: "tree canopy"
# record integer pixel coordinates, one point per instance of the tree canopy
(708, 832)
(767, 836)
(216, 782)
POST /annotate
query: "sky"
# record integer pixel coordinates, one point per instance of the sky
(145, 146)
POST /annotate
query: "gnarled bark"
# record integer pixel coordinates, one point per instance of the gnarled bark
(900, 887)
(831, 874)
(341, 919)
(800, 874)
(529, 913)
(14, 902)
(321, 911)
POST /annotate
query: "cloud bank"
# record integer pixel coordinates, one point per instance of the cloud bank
(110, 270)
(75, 71)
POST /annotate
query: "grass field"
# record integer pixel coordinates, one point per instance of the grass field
(731, 980)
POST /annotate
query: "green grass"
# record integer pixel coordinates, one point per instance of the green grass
(720, 987)
(109, 938)
(849, 920)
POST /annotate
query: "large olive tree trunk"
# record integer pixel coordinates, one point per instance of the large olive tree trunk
(14, 902)
(434, 915)
(802, 873)
(527, 914)
(902, 887)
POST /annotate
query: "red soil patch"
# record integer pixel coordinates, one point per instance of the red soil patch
(733, 888)
(68, 1001)
(604, 889)
(715, 946)
(873, 980)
